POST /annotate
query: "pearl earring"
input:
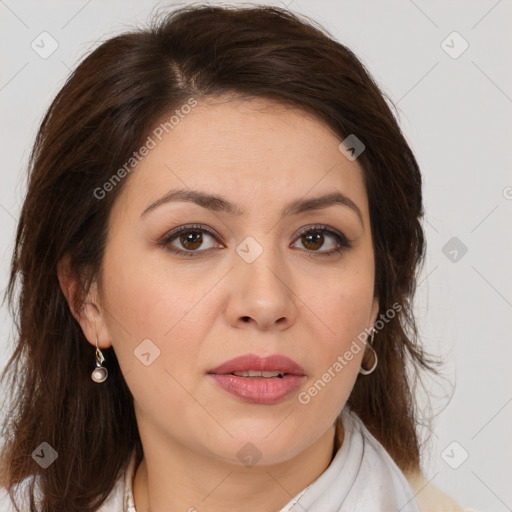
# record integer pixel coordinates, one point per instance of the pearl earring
(100, 373)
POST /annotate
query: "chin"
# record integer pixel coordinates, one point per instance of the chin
(265, 445)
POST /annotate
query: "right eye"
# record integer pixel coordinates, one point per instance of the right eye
(186, 240)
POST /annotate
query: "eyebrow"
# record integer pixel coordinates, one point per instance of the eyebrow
(221, 204)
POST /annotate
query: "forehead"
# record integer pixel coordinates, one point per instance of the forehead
(250, 150)
(254, 130)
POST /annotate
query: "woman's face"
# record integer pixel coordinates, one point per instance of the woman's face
(238, 280)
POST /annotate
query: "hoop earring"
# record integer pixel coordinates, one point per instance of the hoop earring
(100, 373)
(364, 371)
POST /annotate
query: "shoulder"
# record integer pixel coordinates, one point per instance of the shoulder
(429, 497)
(374, 481)
(113, 503)
(5, 501)
(20, 495)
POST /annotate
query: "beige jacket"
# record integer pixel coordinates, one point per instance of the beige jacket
(430, 498)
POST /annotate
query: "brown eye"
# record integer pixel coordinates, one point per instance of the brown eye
(317, 237)
(191, 240)
(313, 241)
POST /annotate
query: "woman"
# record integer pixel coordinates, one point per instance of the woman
(217, 255)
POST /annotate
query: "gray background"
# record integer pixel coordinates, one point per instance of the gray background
(456, 114)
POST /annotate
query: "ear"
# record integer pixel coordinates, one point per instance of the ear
(89, 315)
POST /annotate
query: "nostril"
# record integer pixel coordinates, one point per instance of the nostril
(245, 318)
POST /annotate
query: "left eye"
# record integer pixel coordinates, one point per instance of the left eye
(315, 239)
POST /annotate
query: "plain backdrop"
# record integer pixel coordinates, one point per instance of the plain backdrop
(446, 65)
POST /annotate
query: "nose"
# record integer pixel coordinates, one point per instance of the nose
(261, 293)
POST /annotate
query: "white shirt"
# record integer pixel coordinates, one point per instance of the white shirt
(362, 477)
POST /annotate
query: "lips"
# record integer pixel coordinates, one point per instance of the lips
(260, 380)
(252, 362)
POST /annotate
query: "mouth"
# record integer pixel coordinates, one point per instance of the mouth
(255, 374)
(261, 380)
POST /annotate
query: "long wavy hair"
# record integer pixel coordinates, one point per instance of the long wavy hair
(103, 113)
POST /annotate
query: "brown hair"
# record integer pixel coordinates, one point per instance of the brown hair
(100, 117)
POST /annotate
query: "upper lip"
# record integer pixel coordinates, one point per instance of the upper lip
(274, 362)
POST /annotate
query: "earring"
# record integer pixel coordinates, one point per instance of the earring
(364, 371)
(100, 373)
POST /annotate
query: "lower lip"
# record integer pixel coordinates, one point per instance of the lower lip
(259, 390)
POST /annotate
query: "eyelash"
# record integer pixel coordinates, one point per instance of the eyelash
(343, 242)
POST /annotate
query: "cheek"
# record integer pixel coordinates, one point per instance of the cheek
(140, 304)
(343, 314)
(158, 317)
(343, 304)
(338, 355)
(157, 324)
